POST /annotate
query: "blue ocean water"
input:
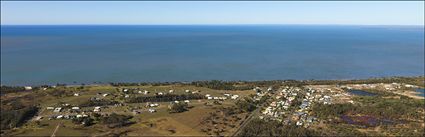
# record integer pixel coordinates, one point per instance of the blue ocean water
(32, 55)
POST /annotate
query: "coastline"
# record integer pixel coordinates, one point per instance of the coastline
(388, 79)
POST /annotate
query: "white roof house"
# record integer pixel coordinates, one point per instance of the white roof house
(76, 94)
(50, 108)
(96, 109)
(187, 91)
(28, 88)
(58, 109)
(152, 110)
(171, 91)
(186, 101)
(154, 105)
(105, 95)
(75, 108)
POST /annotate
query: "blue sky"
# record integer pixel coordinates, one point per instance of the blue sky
(237, 12)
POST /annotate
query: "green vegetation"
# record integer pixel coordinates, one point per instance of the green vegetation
(178, 107)
(116, 120)
(246, 105)
(220, 85)
(374, 106)
(102, 102)
(258, 127)
(85, 121)
(16, 116)
(165, 98)
(8, 89)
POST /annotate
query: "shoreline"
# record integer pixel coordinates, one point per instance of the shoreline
(367, 80)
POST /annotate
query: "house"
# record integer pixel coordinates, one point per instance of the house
(136, 112)
(228, 95)
(28, 88)
(160, 93)
(186, 101)
(269, 89)
(140, 92)
(127, 96)
(58, 109)
(187, 91)
(78, 116)
(257, 89)
(105, 95)
(125, 90)
(96, 109)
(154, 105)
(171, 91)
(75, 108)
(207, 95)
(235, 96)
(76, 94)
(146, 92)
(50, 108)
(299, 123)
(39, 118)
(59, 117)
(152, 110)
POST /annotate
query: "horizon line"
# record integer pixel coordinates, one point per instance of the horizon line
(207, 24)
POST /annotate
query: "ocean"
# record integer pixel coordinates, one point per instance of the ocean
(35, 55)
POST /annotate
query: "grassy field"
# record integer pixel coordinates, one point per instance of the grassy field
(145, 124)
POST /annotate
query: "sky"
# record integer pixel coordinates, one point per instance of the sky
(212, 12)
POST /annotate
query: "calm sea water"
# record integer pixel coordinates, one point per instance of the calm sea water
(32, 55)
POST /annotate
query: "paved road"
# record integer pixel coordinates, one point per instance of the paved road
(56, 129)
(247, 120)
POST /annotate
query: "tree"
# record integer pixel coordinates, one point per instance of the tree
(178, 108)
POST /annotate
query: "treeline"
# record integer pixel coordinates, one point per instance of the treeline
(374, 106)
(258, 127)
(116, 120)
(221, 85)
(92, 103)
(409, 80)
(15, 118)
(123, 84)
(7, 89)
(165, 98)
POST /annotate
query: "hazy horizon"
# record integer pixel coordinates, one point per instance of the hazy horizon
(388, 13)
